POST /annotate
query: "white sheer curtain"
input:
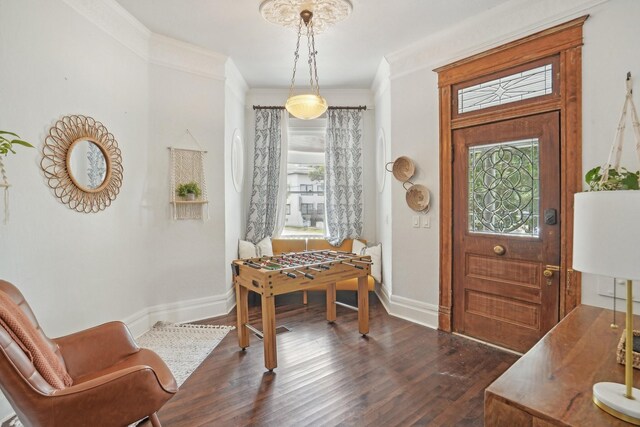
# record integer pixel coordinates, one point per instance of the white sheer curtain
(282, 195)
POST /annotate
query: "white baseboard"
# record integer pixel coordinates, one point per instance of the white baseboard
(414, 311)
(181, 311)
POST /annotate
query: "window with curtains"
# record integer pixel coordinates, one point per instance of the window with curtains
(305, 179)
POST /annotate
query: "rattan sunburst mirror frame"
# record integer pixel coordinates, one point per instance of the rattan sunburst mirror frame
(56, 153)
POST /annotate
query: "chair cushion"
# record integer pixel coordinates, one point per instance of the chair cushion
(322, 244)
(288, 245)
(27, 335)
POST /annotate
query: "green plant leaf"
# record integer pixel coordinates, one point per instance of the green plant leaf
(4, 132)
(592, 175)
(21, 142)
(630, 181)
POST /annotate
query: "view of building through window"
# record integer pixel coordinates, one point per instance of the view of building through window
(305, 200)
(305, 178)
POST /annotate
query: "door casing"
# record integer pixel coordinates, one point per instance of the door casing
(565, 41)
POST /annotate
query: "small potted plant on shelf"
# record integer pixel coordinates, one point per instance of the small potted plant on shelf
(189, 191)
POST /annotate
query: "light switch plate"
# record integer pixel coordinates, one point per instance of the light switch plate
(416, 221)
(426, 221)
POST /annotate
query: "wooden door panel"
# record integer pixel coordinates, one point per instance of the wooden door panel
(511, 272)
(506, 174)
(506, 310)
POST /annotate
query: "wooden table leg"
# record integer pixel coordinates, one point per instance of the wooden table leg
(269, 331)
(363, 305)
(331, 302)
(242, 310)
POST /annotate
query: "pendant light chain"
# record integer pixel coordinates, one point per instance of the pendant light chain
(308, 105)
(295, 59)
(313, 56)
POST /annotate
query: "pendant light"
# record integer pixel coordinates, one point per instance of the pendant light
(309, 105)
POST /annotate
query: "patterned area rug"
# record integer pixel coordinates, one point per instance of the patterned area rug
(183, 347)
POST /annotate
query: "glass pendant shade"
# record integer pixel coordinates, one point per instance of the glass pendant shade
(307, 106)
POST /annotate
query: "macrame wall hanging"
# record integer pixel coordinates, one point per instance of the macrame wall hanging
(187, 168)
(4, 185)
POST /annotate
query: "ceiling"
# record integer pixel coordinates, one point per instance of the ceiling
(348, 53)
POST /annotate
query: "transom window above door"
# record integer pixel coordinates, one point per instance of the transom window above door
(519, 84)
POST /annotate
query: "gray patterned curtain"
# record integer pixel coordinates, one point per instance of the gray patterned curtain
(262, 217)
(343, 182)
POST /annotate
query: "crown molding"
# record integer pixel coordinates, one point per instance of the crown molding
(113, 19)
(181, 56)
(517, 18)
(117, 22)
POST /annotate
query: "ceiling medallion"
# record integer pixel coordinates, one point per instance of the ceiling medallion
(287, 12)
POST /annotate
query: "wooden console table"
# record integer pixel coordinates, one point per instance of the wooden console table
(551, 384)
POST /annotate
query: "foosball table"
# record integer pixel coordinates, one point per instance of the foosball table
(269, 276)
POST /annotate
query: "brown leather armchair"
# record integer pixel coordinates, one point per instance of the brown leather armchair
(115, 383)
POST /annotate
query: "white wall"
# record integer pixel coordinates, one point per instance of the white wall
(384, 179)
(130, 261)
(611, 37)
(235, 93)
(610, 50)
(337, 97)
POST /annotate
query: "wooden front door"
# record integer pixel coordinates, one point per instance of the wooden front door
(506, 230)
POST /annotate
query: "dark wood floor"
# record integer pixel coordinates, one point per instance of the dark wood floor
(327, 374)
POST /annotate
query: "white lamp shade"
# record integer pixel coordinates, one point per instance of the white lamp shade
(306, 107)
(606, 233)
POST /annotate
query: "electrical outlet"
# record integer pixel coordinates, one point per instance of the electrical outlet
(416, 221)
(426, 221)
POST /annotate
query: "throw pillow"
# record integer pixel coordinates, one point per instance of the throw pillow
(375, 252)
(249, 250)
(358, 246)
(246, 250)
(264, 247)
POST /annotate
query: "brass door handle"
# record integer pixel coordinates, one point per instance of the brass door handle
(548, 272)
(499, 250)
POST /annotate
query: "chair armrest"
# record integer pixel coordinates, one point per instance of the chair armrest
(139, 373)
(117, 398)
(96, 348)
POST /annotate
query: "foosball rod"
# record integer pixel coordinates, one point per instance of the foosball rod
(333, 260)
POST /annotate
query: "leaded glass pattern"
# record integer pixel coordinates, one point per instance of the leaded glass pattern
(504, 188)
(514, 87)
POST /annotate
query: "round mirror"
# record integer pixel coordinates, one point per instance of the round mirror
(87, 164)
(82, 163)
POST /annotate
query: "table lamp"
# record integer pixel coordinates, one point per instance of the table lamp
(606, 242)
